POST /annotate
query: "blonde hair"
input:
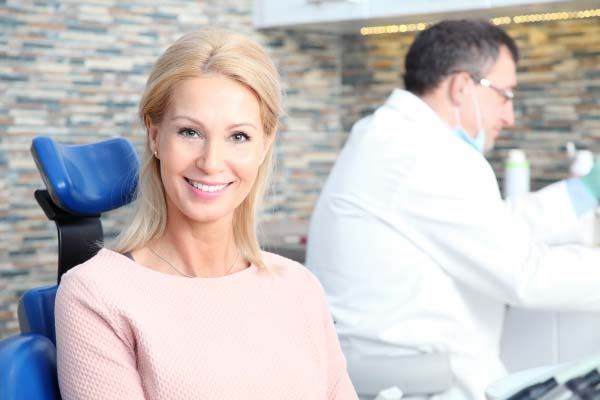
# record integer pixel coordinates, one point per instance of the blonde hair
(195, 54)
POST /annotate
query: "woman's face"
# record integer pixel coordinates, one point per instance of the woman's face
(210, 144)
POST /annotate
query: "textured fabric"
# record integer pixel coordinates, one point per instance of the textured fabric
(125, 331)
(417, 252)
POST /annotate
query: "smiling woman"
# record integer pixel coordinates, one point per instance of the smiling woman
(186, 305)
(200, 69)
(209, 147)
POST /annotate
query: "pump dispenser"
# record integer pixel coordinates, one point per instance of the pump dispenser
(582, 161)
(516, 174)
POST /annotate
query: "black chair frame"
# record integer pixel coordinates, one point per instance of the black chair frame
(79, 236)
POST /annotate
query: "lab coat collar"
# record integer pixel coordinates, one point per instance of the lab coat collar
(414, 108)
(410, 104)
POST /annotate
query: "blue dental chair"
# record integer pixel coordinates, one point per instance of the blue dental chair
(82, 182)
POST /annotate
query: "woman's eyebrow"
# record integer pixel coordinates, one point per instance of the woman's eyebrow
(199, 123)
(241, 124)
(195, 121)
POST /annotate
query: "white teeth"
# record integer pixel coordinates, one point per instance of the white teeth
(207, 188)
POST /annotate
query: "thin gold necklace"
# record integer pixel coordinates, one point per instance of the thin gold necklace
(180, 272)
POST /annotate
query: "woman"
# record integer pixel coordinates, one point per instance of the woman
(186, 306)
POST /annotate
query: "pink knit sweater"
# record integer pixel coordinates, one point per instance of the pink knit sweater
(127, 332)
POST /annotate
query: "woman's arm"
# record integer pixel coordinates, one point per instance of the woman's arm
(94, 360)
(339, 386)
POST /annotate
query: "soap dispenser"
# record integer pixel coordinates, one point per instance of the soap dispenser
(516, 173)
(582, 162)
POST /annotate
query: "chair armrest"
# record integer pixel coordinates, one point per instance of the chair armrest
(28, 368)
(36, 312)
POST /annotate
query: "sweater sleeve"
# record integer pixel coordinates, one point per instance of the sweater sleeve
(339, 386)
(94, 360)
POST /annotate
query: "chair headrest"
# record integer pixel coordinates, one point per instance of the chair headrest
(87, 179)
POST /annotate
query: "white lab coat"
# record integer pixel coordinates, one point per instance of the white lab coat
(417, 251)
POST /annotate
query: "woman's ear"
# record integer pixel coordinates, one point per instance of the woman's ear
(268, 143)
(152, 130)
(458, 88)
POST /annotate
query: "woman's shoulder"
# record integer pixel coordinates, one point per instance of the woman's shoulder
(100, 270)
(277, 262)
(292, 270)
(100, 262)
(274, 259)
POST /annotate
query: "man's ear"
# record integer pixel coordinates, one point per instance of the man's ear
(458, 88)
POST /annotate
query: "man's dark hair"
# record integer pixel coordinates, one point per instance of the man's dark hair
(454, 46)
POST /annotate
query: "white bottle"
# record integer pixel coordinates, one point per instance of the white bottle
(583, 161)
(516, 174)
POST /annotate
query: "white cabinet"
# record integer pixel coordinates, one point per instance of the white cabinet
(507, 3)
(335, 15)
(279, 13)
(537, 338)
(390, 8)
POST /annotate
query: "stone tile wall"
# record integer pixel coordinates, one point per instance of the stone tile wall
(75, 70)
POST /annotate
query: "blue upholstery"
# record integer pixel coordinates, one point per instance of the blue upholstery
(28, 360)
(82, 181)
(28, 368)
(87, 179)
(36, 312)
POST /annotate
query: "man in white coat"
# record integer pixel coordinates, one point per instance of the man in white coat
(410, 238)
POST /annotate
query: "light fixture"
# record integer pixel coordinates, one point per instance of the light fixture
(517, 19)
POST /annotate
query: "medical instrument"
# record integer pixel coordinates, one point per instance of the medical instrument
(574, 376)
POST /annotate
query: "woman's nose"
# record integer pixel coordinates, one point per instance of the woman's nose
(212, 159)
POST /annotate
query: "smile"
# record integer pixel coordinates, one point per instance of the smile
(207, 188)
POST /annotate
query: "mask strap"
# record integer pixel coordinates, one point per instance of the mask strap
(457, 116)
(476, 106)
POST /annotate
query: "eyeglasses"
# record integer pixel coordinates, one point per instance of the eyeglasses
(506, 93)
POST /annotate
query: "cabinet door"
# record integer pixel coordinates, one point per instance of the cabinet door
(529, 339)
(578, 335)
(391, 8)
(537, 338)
(273, 13)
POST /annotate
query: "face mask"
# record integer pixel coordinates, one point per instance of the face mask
(479, 141)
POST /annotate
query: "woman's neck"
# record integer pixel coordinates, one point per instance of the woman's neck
(206, 249)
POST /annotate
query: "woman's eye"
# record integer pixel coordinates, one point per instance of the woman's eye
(240, 137)
(188, 132)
